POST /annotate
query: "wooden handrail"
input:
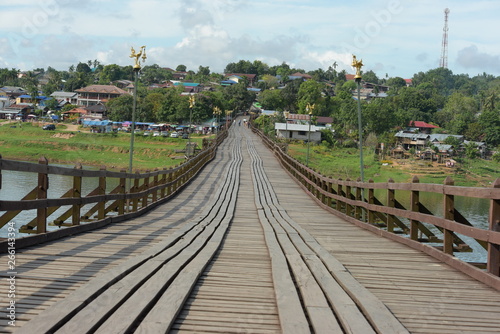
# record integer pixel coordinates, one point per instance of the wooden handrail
(344, 198)
(146, 189)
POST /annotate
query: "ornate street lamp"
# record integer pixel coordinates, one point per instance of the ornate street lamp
(357, 64)
(217, 112)
(309, 109)
(136, 68)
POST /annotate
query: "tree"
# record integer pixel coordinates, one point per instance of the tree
(272, 99)
(83, 67)
(154, 74)
(489, 121)
(111, 73)
(458, 112)
(396, 83)
(181, 68)
(310, 93)
(120, 108)
(238, 97)
(371, 77)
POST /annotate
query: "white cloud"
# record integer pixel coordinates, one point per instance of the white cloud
(304, 34)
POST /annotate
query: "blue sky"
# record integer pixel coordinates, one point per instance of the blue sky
(393, 37)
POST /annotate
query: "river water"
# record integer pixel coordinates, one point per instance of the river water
(15, 185)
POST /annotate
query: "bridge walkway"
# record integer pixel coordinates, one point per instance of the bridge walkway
(244, 287)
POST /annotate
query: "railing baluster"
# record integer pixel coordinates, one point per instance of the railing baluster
(145, 186)
(449, 213)
(102, 191)
(415, 207)
(77, 193)
(348, 207)
(359, 209)
(123, 190)
(493, 249)
(371, 200)
(391, 203)
(339, 193)
(43, 186)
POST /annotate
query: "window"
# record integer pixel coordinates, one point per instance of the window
(302, 133)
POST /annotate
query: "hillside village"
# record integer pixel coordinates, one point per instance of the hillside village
(90, 105)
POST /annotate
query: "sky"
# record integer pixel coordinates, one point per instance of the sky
(392, 37)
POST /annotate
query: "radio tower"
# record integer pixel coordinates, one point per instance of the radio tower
(444, 47)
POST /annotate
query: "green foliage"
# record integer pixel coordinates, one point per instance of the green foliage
(454, 141)
(272, 100)
(310, 93)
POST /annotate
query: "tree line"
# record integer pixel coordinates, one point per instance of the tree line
(457, 103)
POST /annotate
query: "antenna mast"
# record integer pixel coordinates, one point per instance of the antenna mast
(444, 47)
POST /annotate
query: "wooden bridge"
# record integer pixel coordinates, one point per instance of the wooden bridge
(244, 249)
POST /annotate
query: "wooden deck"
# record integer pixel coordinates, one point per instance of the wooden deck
(242, 250)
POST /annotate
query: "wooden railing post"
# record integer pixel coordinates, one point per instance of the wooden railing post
(414, 207)
(339, 193)
(391, 203)
(449, 213)
(163, 182)
(0, 173)
(371, 200)
(102, 191)
(170, 178)
(329, 188)
(359, 209)
(348, 207)
(155, 184)
(43, 186)
(494, 250)
(145, 186)
(77, 193)
(135, 189)
(123, 190)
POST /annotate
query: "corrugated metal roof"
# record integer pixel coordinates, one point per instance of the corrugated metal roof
(296, 127)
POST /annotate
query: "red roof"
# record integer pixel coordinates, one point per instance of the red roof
(420, 124)
(349, 77)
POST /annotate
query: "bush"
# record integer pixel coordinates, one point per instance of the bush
(496, 157)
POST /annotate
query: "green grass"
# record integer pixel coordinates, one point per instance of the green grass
(28, 142)
(344, 163)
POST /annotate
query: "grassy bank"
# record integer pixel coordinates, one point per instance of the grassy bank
(26, 141)
(345, 163)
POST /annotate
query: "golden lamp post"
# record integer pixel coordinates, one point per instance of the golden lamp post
(137, 67)
(217, 112)
(357, 64)
(309, 109)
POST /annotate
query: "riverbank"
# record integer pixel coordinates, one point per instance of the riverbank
(344, 163)
(67, 145)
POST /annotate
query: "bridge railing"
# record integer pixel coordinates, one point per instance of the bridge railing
(414, 225)
(130, 195)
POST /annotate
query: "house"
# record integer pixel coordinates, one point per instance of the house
(13, 92)
(422, 126)
(239, 76)
(96, 111)
(298, 132)
(189, 87)
(123, 84)
(440, 138)
(95, 94)
(412, 140)
(320, 121)
(64, 98)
